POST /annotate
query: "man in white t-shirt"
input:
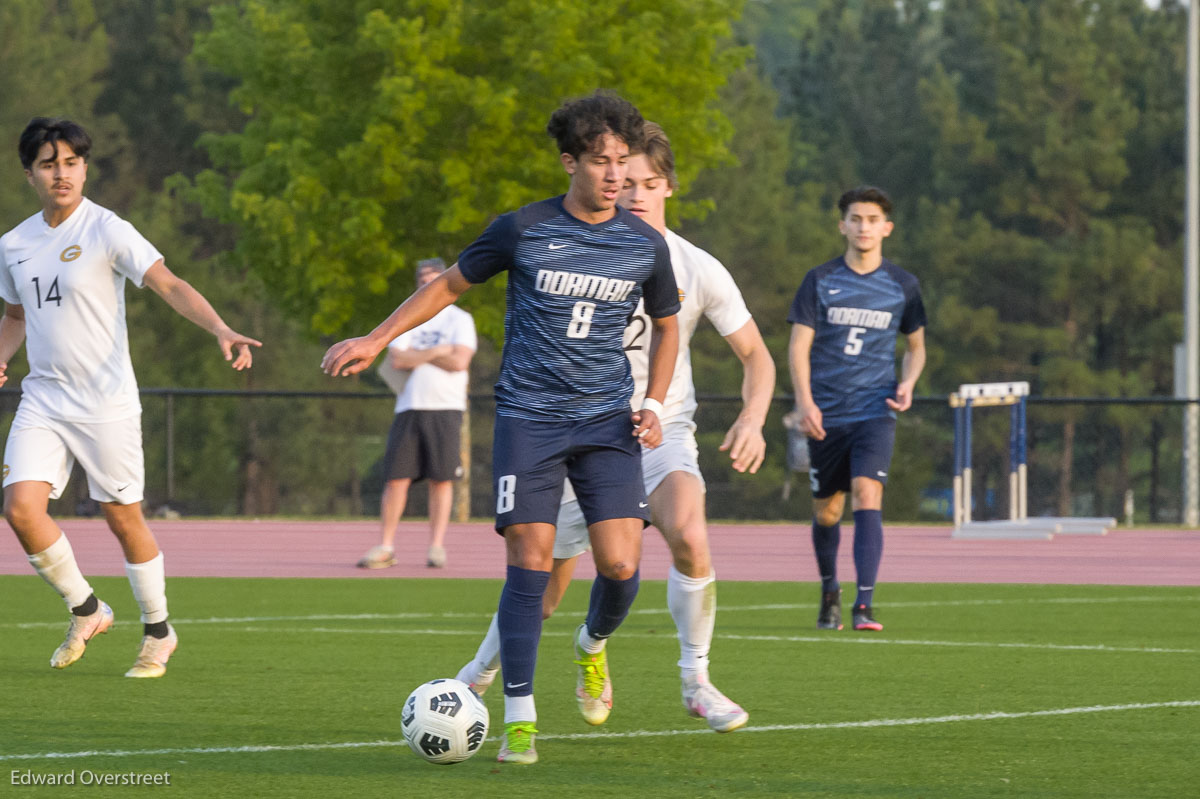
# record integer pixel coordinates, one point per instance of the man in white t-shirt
(62, 278)
(425, 438)
(671, 471)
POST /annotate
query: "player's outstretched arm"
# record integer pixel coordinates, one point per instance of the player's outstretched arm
(745, 443)
(191, 305)
(353, 355)
(910, 370)
(12, 334)
(807, 416)
(664, 348)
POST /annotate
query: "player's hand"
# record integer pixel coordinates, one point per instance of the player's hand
(808, 420)
(229, 339)
(746, 445)
(3, 373)
(904, 395)
(349, 357)
(646, 428)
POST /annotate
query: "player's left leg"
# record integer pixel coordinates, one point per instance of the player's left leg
(617, 549)
(111, 455)
(147, 578)
(677, 510)
(871, 457)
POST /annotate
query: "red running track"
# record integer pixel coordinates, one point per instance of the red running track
(237, 548)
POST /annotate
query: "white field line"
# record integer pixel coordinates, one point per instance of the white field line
(636, 611)
(806, 639)
(837, 725)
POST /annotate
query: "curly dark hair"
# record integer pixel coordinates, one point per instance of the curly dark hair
(866, 194)
(578, 124)
(43, 130)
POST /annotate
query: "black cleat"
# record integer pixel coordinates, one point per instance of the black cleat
(830, 617)
(864, 619)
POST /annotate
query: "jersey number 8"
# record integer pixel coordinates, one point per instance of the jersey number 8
(581, 319)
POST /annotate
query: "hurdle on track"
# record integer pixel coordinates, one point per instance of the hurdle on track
(1018, 525)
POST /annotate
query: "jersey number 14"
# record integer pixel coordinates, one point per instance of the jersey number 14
(52, 293)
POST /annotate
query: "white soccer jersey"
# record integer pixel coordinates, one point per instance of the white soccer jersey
(705, 288)
(71, 281)
(429, 387)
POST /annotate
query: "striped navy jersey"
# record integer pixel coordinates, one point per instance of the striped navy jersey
(856, 318)
(572, 288)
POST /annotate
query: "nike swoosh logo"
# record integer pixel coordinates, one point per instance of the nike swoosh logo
(557, 246)
(23, 260)
(122, 488)
(835, 291)
(643, 505)
(881, 474)
(516, 684)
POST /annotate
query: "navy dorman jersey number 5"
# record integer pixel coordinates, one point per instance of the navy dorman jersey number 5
(572, 288)
(856, 319)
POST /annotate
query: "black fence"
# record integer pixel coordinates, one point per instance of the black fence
(256, 453)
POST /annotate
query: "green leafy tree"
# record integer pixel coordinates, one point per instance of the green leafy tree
(52, 56)
(382, 133)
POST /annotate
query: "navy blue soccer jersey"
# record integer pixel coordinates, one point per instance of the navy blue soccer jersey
(856, 318)
(572, 288)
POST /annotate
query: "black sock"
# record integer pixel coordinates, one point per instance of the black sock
(89, 606)
(157, 630)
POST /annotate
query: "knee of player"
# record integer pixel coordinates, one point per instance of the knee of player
(621, 570)
(829, 515)
(19, 514)
(868, 494)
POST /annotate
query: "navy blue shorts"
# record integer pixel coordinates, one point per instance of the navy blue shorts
(859, 449)
(599, 455)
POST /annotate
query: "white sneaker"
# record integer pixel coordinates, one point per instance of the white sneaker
(436, 558)
(152, 659)
(703, 700)
(82, 629)
(479, 682)
(378, 557)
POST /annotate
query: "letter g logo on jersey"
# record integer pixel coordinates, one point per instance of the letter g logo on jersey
(71, 253)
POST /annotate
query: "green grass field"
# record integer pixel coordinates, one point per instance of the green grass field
(293, 688)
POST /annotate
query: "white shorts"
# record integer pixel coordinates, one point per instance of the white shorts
(44, 449)
(677, 453)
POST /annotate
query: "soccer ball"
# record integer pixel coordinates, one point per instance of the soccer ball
(444, 721)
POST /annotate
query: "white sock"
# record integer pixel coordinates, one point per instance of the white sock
(519, 708)
(487, 658)
(693, 605)
(56, 564)
(149, 583)
(587, 643)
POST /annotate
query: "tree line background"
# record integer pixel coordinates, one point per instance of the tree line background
(294, 159)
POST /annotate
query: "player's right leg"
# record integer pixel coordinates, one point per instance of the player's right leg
(528, 468)
(830, 477)
(481, 671)
(37, 465)
(519, 622)
(826, 536)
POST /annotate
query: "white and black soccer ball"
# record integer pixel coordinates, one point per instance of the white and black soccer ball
(444, 721)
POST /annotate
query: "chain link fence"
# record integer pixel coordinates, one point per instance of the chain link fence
(307, 454)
